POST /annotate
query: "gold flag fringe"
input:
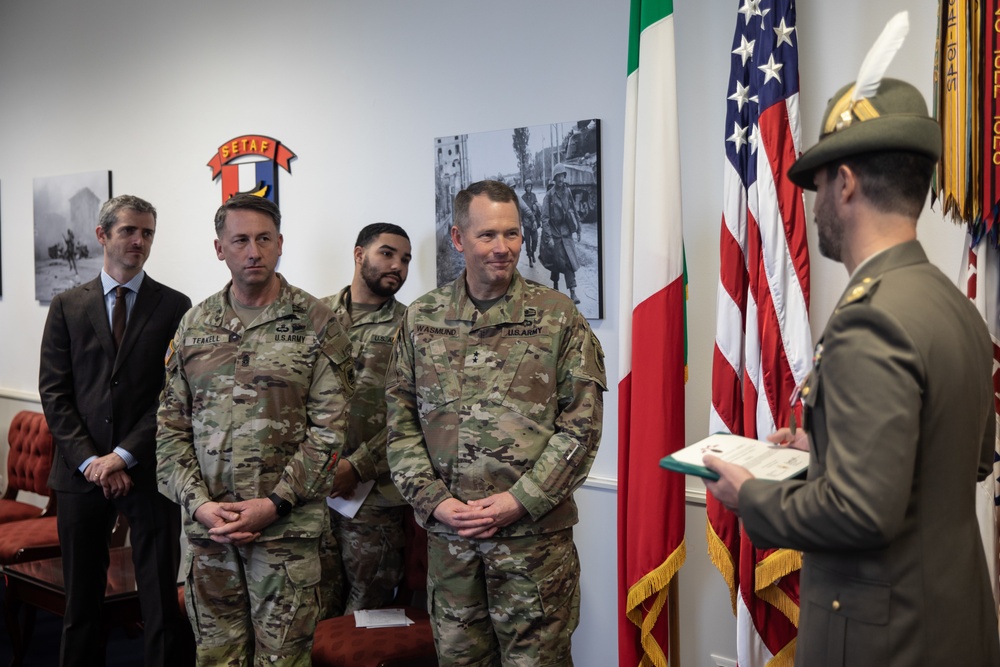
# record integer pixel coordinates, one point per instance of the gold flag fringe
(767, 573)
(722, 558)
(653, 584)
(785, 657)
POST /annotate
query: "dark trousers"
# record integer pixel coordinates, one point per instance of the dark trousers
(530, 240)
(85, 521)
(570, 278)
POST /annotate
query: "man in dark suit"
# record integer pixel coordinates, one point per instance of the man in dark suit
(100, 379)
(899, 412)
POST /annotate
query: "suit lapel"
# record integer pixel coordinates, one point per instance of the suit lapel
(97, 311)
(146, 301)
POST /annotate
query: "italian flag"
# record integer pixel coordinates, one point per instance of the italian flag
(652, 344)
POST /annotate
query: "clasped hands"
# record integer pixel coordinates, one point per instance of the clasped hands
(238, 522)
(480, 518)
(108, 472)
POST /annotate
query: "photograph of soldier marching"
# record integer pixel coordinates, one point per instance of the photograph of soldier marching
(555, 171)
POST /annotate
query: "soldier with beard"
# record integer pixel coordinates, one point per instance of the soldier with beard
(898, 410)
(367, 549)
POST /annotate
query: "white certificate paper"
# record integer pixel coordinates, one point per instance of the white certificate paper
(762, 459)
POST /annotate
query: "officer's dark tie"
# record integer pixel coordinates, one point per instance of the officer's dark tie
(118, 316)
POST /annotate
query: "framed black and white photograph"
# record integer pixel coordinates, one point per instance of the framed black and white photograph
(555, 171)
(66, 208)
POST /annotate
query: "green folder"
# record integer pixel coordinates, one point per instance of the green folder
(670, 463)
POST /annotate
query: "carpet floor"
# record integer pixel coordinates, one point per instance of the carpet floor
(43, 648)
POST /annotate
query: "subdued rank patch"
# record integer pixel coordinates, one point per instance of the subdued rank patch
(481, 358)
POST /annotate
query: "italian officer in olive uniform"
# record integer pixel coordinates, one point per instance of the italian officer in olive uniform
(899, 414)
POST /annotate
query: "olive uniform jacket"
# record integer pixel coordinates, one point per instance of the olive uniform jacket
(899, 410)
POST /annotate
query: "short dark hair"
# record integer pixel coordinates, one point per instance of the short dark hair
(247, 202)
(109, 211)
(496, 191)
(371, 232)
(893, 181)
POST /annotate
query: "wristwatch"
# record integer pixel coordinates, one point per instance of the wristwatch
(283, 506)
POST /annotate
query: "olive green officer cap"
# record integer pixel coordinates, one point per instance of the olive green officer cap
(894, 119)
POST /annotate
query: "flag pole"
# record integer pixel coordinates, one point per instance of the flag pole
(673, 614)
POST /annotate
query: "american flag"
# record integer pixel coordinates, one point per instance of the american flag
(979, 276)
(763, 343)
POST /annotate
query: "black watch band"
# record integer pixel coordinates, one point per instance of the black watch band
(283, 506)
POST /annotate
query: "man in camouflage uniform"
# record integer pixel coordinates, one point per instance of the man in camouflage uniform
(495, 404)
(367, 548)
(250, 423)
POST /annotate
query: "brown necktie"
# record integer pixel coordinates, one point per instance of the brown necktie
(118, 316)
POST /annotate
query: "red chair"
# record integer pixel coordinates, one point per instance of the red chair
(338, 643)
(28, 532)
(30, 539)
(29, 460)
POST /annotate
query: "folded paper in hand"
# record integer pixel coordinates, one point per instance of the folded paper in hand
(350, 506)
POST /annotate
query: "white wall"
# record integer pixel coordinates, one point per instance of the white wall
(359, 90)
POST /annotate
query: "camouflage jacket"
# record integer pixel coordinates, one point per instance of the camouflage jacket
(247, 412)
(371, 339)
(507, 401)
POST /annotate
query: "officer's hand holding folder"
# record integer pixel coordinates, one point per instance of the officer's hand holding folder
(762, 459)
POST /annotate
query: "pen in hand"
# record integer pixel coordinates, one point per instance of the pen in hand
(792, 400)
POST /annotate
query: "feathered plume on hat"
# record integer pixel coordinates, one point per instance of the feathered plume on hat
(855, 102)
(872, 114)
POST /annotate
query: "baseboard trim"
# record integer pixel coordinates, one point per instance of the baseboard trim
(16, 395)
